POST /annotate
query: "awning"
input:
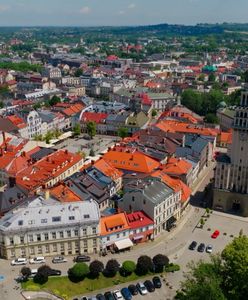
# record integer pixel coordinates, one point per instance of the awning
(123, 244)
(138, 237)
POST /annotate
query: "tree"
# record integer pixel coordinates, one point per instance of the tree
(92, 152)
(45, 270)
(78, 72)
(77, 129)
(1, 104)
(111, 268)
(95, 268)
(160, 261)
(91, 129)
(211, 77)
(211, 118)
(48, 137)
(54, 100)
(144, 265)
(154, 112)
(26, 271)
(122, 132)
(78, 272)
(235, 265)
(128, 267)
(201, 77)
(203, 281)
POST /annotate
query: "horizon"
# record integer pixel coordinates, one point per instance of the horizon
(96, 13)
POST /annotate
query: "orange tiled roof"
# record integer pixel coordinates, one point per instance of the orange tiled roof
(177, 166)
(17, 165)
(136, 162)
(108, 169)
(73, 109)
(19, 122)
(64, 194)
(113, 223)
(226, 137)
(174, 126)
(47, 168)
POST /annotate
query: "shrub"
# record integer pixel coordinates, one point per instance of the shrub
(25, 271)
(45, 270)
(40, 278)
(95, 268)
(160, 261)
(111, 268)
(172, 268)
(78, 272)
(128, 267)
(144, 265)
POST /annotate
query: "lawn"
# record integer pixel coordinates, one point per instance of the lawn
(64, 287)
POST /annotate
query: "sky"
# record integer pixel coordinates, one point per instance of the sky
(120, 12)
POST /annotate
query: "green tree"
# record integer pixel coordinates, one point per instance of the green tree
(78, 72)
(211, 77)
(48, 137)
(235, 265)
(211, 118)
(160, 261)
(79, 271)
(201, 77)
(192, 100)
(128, 267)
(96, 267)
(111, 268)
(122, 132)
(26, 271)
(92, 152)
(77, 129)
(91, 129)
(203, 282)
(54, 100)
(1, 104)
(144, 265)
(40, 278)
(154, 112)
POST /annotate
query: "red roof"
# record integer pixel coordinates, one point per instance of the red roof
(112, 57)
(73, 109)
(19, 122)
(138, 219)
(94, 117)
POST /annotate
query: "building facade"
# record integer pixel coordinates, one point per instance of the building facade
(46, 228)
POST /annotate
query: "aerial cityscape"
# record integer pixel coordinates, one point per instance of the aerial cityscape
(123, 150)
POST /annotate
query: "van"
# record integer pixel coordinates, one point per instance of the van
(37, 260)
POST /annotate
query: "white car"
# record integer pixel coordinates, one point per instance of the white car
(117, 295)
(37, 260)
(59, 259)
(209, 249)
(19, 261)
(142, 289)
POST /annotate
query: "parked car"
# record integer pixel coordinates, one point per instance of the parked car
(58, 259)
(19, 261)
(21, 278)
(142, 289)
(133, 289)
(215, 234)
(100, 297)
(81, 258)
(109, 296)
(117, 295)
(157, 282)
(84, 298)
(149, 285)
(37, 260)
(126, 294)
(53, 272)
(209, 249)
(201, 247)
(33, 272)
(92, 298)
(193, 245)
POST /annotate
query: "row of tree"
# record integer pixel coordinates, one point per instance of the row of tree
(225, 277)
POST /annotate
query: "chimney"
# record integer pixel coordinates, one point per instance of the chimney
(47, 194)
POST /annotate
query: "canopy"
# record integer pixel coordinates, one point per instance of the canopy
(123, 244)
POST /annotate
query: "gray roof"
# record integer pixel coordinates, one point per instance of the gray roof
(199, 144)
(43, 152)
(42, 214)
(11, 198)
(46, 116)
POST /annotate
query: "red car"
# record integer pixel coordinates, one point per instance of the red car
(215, 234)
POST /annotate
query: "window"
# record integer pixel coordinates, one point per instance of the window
(38, 237)
(20, 222)
(68, 233)
(43, 221)
(118, 235)
(71, 218)
(94, 243)
(85, 243)
(39, 250)
(54, 247)
(54, 235)
(94, 230)
(108, 238)
(23, 252)
(56, 219)
(124, 233)
(133, 198)
(47, 248)
(86, 216)
(31, 250)
(76, 232)
(84, 231)
(46, 236)
(30, 238)
(69, 246)
(21, 239)
(31, 222)
(62, 247)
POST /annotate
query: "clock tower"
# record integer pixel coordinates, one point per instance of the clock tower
(231, 174)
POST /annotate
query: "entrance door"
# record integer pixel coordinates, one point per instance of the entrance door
(236, 206)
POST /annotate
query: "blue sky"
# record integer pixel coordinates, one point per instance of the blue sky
(120, 12)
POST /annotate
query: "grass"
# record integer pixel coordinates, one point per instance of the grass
(64, 287)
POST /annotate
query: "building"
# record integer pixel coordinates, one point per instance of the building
(46, 228)
(155, 198)
(231, 176)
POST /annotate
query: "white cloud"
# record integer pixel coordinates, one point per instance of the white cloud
(131, 6)
(85, 10)
(121, 12)
(4, 7)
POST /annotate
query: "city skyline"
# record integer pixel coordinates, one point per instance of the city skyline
(119, 12)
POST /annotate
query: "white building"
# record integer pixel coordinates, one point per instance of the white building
(46, 228)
